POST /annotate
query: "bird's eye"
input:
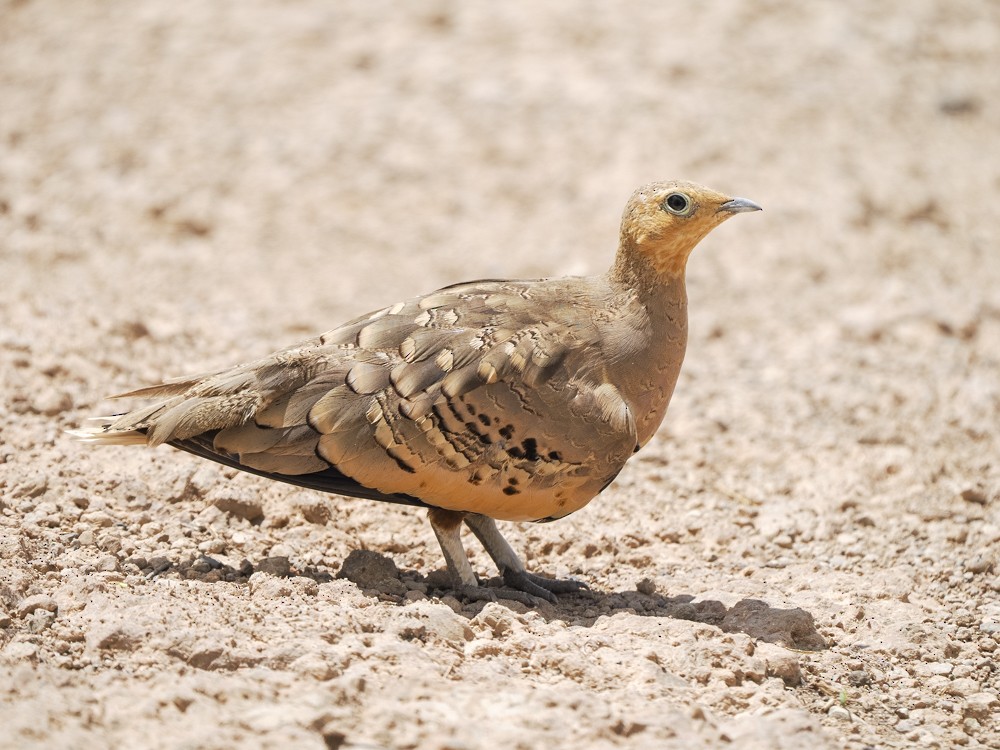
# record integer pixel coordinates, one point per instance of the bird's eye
(677, 203)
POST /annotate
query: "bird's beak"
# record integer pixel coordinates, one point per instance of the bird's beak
(738, 206)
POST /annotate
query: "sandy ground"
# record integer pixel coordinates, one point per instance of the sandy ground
(805, 555)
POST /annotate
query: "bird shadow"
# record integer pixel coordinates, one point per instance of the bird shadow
(377, 577)
(793, 628)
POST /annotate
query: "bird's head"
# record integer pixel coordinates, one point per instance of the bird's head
(664, 221)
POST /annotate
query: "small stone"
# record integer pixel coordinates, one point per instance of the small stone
(243, 504)
(80, 500)
(990, 627)
(939, 667)
(33, 486)
(212, 546)
(115, 636)
(646, 586)
(159, 564)
(276, 566)
(370, 570)
(962, 686)
(264, 585)
(979, 705)
(781, 663)
(314, 665)
(974, 495)
(979, 564)
(315, 511)
(86, 538)
(20, 651)
(793, 628)
(859, 677)
(39, 620)
(204, 564)
(839, 712)
(97, 518)
(784, 541)
(282, 550)
(426, 618)
(107, 563)
(38, 601)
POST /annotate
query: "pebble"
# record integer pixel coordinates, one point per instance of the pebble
(990, 627)
(212, 546)
(939, 667)
(33, 486)
(20, 650)
(38, 601)
(275, 566)
(979, 564)
(107, 563)
(784, 541)
(315, 511)
(204, 564)
(839, 712)
(97, 518)
(370, 570)
(440, 621)
(859, 677)
(86, 538)
(39, 620)
(242, 505)
(159, 564)
(282, 550)
(980, 705)
(646, 586)
(780, 663)
(962, 686)
(974, 495)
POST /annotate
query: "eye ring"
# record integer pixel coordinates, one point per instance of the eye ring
(678, 204)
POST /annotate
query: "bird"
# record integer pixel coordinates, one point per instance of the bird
(512, 400)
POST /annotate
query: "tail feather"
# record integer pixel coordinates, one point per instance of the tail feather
(104, 436)
(169, 388)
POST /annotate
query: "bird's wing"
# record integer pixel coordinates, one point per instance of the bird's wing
(487, 396)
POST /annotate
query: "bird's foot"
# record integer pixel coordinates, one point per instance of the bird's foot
(543, 588)
(490, 594)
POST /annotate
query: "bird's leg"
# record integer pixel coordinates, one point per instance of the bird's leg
(447, 525)
(510, 565)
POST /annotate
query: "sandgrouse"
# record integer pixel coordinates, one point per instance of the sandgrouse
(512, 400)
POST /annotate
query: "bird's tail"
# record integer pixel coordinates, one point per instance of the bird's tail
(102, 433)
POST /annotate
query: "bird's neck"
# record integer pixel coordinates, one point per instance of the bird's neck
(648, 264)
(652, 369)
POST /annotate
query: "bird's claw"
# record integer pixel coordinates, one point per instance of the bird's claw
(543, 588)
(484, 594)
